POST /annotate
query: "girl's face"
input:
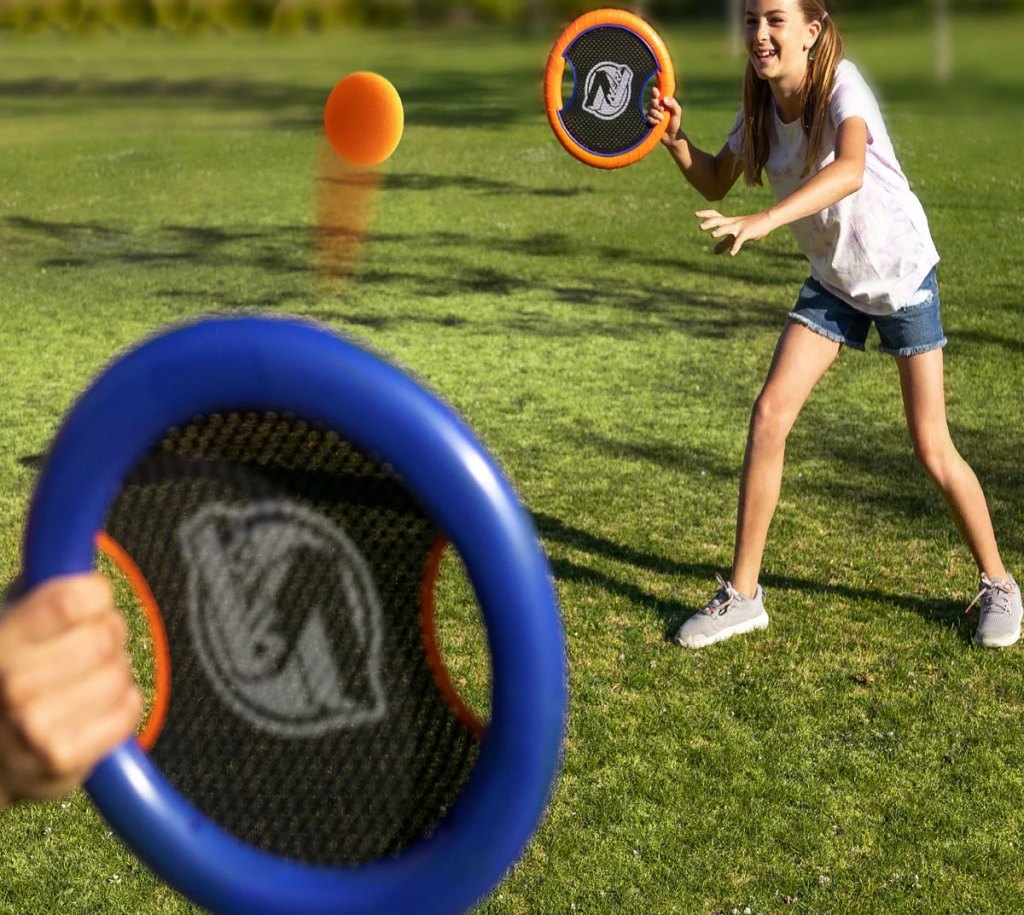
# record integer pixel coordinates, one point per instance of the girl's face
(778, 38)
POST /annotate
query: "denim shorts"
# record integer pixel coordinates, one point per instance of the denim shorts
(914, 329)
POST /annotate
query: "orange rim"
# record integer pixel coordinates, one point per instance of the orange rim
(556, 68)
(155, 623)
(428, 630)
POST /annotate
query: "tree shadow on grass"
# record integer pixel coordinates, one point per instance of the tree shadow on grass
(682, 294)
(673, 613)
(430, 265)
(676, 456)
(757, 267)
(425, 182)
(1013, 346)
(470, 99)
(867, 452)
(431, 97)
(216, 93)
(92, 244)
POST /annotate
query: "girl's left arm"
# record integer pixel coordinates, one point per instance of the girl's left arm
(840, 178)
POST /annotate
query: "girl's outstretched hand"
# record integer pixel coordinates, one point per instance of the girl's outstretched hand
(737, 230)
(657, 110)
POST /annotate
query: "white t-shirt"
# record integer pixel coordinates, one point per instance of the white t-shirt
(873, 248)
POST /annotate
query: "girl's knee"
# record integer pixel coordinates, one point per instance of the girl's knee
(770, 421)
(937, 455)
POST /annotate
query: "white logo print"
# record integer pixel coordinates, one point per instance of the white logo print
(238, 560)
(607, 91)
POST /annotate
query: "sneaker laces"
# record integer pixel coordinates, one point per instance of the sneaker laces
(998, 590)
(720, 606)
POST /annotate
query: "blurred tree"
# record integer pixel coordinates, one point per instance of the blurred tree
(538, 15)
(110, 15)
(172, 14)
(503, 12)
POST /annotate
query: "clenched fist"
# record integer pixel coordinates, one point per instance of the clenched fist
(67, 697)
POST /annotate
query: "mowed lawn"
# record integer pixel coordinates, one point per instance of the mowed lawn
(859, 755)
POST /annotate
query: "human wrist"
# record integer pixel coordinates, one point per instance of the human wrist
(775, 221)
(674, 142)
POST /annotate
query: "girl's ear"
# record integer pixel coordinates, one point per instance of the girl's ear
(814, 28)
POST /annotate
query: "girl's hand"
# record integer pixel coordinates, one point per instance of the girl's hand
(656, 112)
(66, 692)
(738, 230)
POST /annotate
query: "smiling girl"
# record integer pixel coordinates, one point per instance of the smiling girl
(811, 123)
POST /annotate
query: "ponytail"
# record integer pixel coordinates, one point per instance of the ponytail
(817, 93)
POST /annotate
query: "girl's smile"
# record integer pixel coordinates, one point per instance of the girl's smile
(762, 56)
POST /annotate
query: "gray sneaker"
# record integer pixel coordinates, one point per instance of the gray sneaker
(727, 614)
(999, 622)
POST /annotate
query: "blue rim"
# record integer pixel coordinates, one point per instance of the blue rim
(255, 363)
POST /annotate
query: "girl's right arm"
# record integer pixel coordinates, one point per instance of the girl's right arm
(712, 176)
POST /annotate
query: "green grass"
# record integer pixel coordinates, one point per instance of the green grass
(859, 755)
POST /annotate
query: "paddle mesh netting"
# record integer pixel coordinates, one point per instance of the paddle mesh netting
(304, 717)
(611, 66)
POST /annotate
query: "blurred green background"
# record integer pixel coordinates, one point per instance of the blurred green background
(287, 15)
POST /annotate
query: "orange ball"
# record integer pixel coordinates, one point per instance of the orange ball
(363, 118)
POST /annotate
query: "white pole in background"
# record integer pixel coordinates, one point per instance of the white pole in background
(734, 22)
(943, 42)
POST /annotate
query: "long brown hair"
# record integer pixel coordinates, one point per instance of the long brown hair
(816, 93)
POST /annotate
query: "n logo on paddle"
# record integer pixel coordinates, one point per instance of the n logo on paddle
(284, 616)
(607, 90)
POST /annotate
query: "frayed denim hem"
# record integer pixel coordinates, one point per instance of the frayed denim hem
(821, 332)
(914, 350)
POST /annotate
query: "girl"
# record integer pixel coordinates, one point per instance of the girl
(810, 121)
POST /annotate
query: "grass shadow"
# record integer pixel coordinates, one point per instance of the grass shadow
(673, 613)
(445, 98)
(431, 265)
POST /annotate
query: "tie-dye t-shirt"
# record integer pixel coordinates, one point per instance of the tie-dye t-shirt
(872, 248)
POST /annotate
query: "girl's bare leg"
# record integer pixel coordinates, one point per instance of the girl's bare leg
(924, 402)
(801, 358)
